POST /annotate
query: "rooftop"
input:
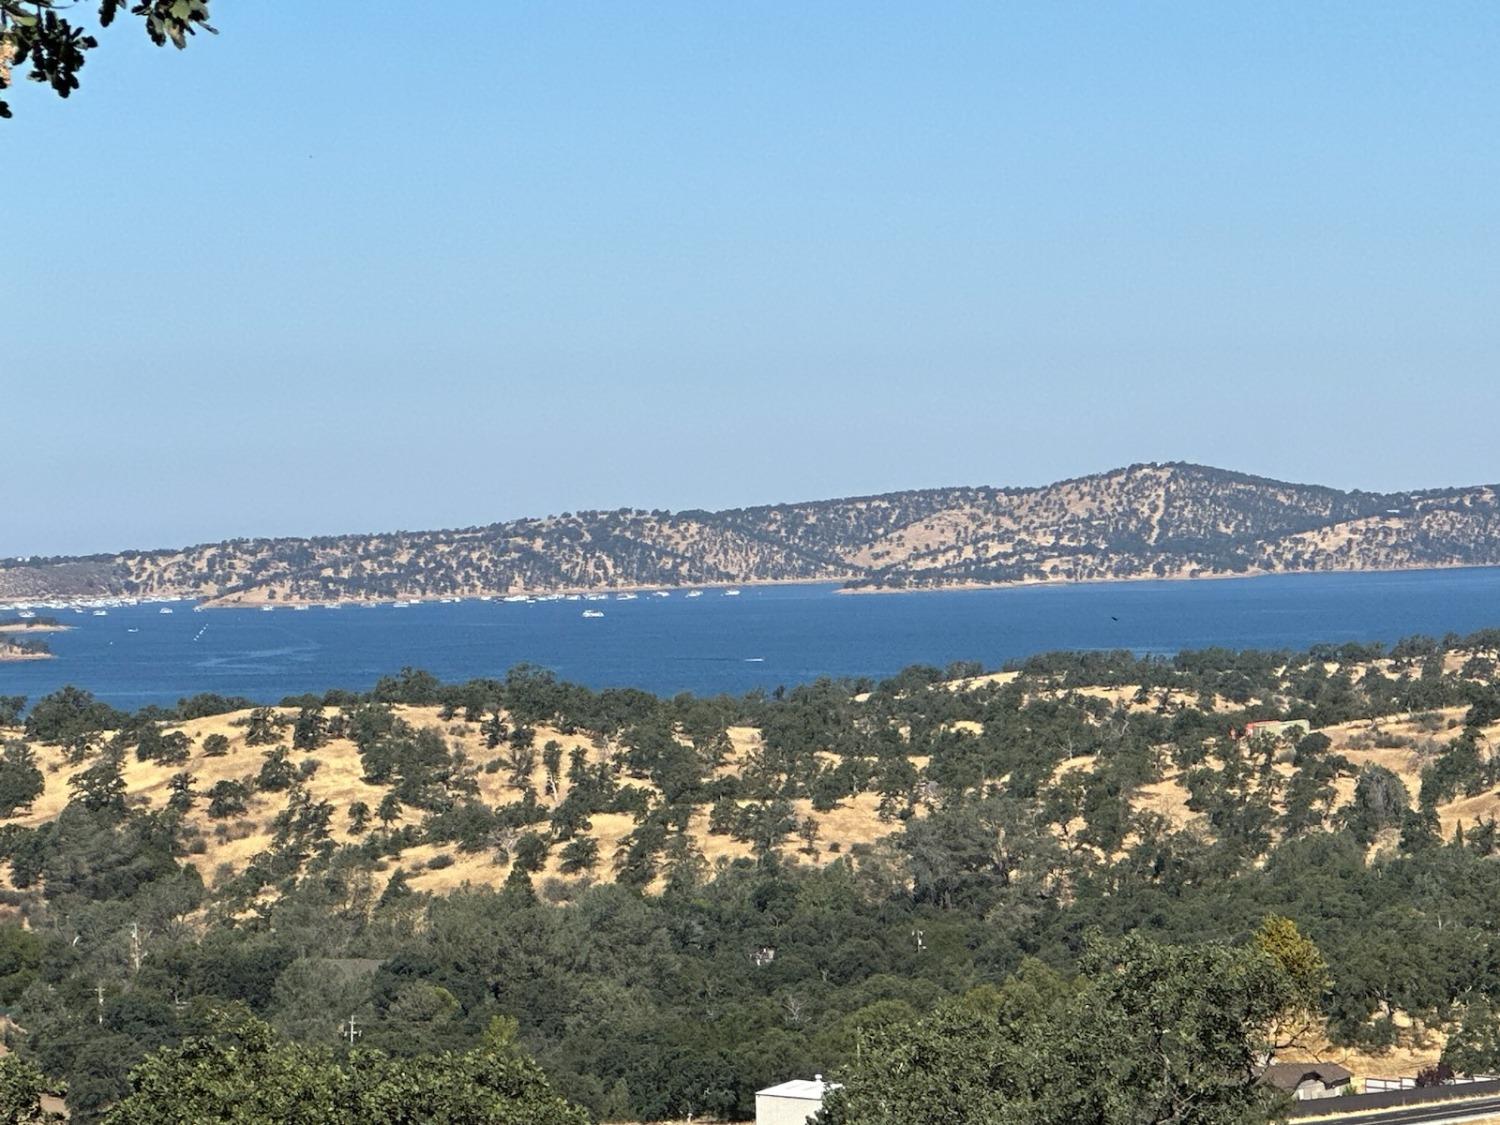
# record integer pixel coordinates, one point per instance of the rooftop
(1290, 1075)
(810, 1089)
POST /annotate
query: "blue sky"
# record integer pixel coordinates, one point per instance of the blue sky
(336, 269)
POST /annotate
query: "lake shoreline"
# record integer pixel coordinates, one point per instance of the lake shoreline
(712, 587)
(1174, 579)
(521, 595)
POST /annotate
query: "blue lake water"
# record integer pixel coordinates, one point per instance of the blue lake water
(768, 636)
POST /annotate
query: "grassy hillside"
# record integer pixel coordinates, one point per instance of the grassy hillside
(681, 900)
(1170, 521)
(220, 847)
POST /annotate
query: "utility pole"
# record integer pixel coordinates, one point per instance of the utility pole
(99, 992)
(136, 956)
(348, 1030)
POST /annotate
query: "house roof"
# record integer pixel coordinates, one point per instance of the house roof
(807, 1089)
(1290, 1075)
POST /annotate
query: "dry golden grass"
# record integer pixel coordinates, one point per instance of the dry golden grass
(1168, 799)
(1400, 1061)
(987, 680)
(338, 780)
(233, 842)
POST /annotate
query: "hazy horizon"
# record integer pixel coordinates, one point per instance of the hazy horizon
(299, 280)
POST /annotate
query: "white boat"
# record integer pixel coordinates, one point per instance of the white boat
(165, 609)
(695, 593)
(332, 605)
(731, 593)
(660, 594)
(132, 630)
(593, 613)
(401, 605)
(101, 613)
(575, 597)
(267, 608)
(26, 615)
(298, 608)
(624, 597)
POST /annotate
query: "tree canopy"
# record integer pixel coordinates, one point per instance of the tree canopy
(242, 1073)
(681, 900)
(1153, 1033)
(42, 36)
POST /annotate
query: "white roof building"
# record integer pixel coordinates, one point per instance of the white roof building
(791, 1103)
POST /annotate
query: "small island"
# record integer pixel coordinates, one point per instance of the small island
(19, 642)
(32, 624)
(25, 649)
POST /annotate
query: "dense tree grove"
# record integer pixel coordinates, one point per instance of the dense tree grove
(1021, 891)
(240, 1070)
(1180, 1032)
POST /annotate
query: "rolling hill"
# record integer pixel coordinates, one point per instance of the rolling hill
(1152, 520)
(1401, 742)
(768, 874)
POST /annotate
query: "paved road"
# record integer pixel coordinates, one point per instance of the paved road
(1426, 1113)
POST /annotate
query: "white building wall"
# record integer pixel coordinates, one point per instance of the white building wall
(773, 1110)
(1308, 1091)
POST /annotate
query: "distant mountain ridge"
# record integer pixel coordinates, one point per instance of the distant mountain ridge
(1171, 520)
